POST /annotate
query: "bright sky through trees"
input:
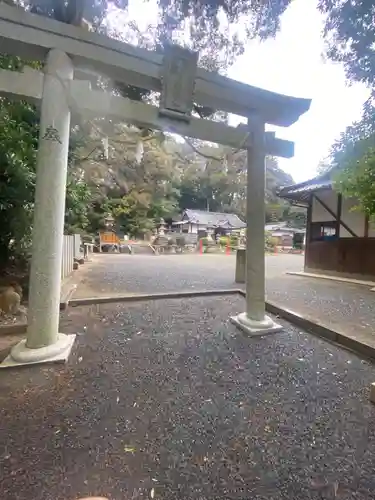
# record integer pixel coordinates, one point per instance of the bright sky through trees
(292, 63)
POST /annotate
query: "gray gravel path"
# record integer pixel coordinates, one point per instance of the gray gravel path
(347, 307)
(168, 400)
(118, 273)
(350, 308)
(112, 274)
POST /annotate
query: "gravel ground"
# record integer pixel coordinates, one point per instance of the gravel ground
(348, 307)
(118, 273)
(112, 274)
(345, 306)
(167, 400)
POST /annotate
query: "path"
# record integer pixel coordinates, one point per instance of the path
(167, 400)
(350, 308)
(119, 273)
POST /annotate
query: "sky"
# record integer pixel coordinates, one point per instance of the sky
(292, 64)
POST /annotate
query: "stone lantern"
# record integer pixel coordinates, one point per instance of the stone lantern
(161, 227)
(109, 221)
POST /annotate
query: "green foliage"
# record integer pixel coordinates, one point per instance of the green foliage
(204, 241)
(19, 128)
(351, 161)
(138, 194)
(354, 142)
(350, 32)
(72, 11)
(233, 240)
(138, 213)
(220, 185)
(357, 180)
(223, 241)
(132, 216)
(77, 205)
(18, 144)
(270, 242)
(263, 18)
(211, 27)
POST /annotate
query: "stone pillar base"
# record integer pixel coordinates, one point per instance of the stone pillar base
(252, 327)
(55, 353)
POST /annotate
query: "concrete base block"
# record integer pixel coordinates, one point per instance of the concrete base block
(255, 328)
(372, 393)
(58, 352)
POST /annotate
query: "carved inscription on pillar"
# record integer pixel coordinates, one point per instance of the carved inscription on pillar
(52, 134)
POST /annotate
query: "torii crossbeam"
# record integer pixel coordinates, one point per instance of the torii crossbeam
(69, 54)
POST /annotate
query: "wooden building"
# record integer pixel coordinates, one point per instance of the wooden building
(205, 223)
(339, 239)
(285, 234)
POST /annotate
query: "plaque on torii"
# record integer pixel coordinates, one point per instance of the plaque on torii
(178, 81)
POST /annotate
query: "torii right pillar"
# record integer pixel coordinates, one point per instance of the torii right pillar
(254, 320)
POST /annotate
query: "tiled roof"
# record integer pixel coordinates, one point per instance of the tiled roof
(214, 219)
(300, 192)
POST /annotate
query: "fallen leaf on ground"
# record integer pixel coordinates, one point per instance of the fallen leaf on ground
(129, 449)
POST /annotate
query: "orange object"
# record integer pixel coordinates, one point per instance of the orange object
(109, 238)
(200, 246)
(227, 248)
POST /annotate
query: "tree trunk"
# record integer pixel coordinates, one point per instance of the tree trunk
(4, 253)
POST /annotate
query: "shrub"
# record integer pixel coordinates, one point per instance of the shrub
(233, 241)
(223, 241)
(270, 242)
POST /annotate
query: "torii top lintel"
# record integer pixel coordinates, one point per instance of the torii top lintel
(32, 36)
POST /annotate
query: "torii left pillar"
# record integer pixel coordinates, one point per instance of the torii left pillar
(44, 343)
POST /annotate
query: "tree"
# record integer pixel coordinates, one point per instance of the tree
(19, 128)
(18, 145)
(219, 184)
(210, 25)
(351, 161)
(358, 181)
(73, 11)
(138, 192)
(350, 33)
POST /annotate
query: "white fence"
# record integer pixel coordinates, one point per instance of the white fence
(71, 250)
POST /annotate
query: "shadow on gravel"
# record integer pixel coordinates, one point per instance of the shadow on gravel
(166, 399)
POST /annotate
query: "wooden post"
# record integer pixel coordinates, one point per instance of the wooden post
(308, 230)
(339, 210)
(367, 221)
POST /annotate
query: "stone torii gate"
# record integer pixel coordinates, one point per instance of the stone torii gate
(69, 54)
